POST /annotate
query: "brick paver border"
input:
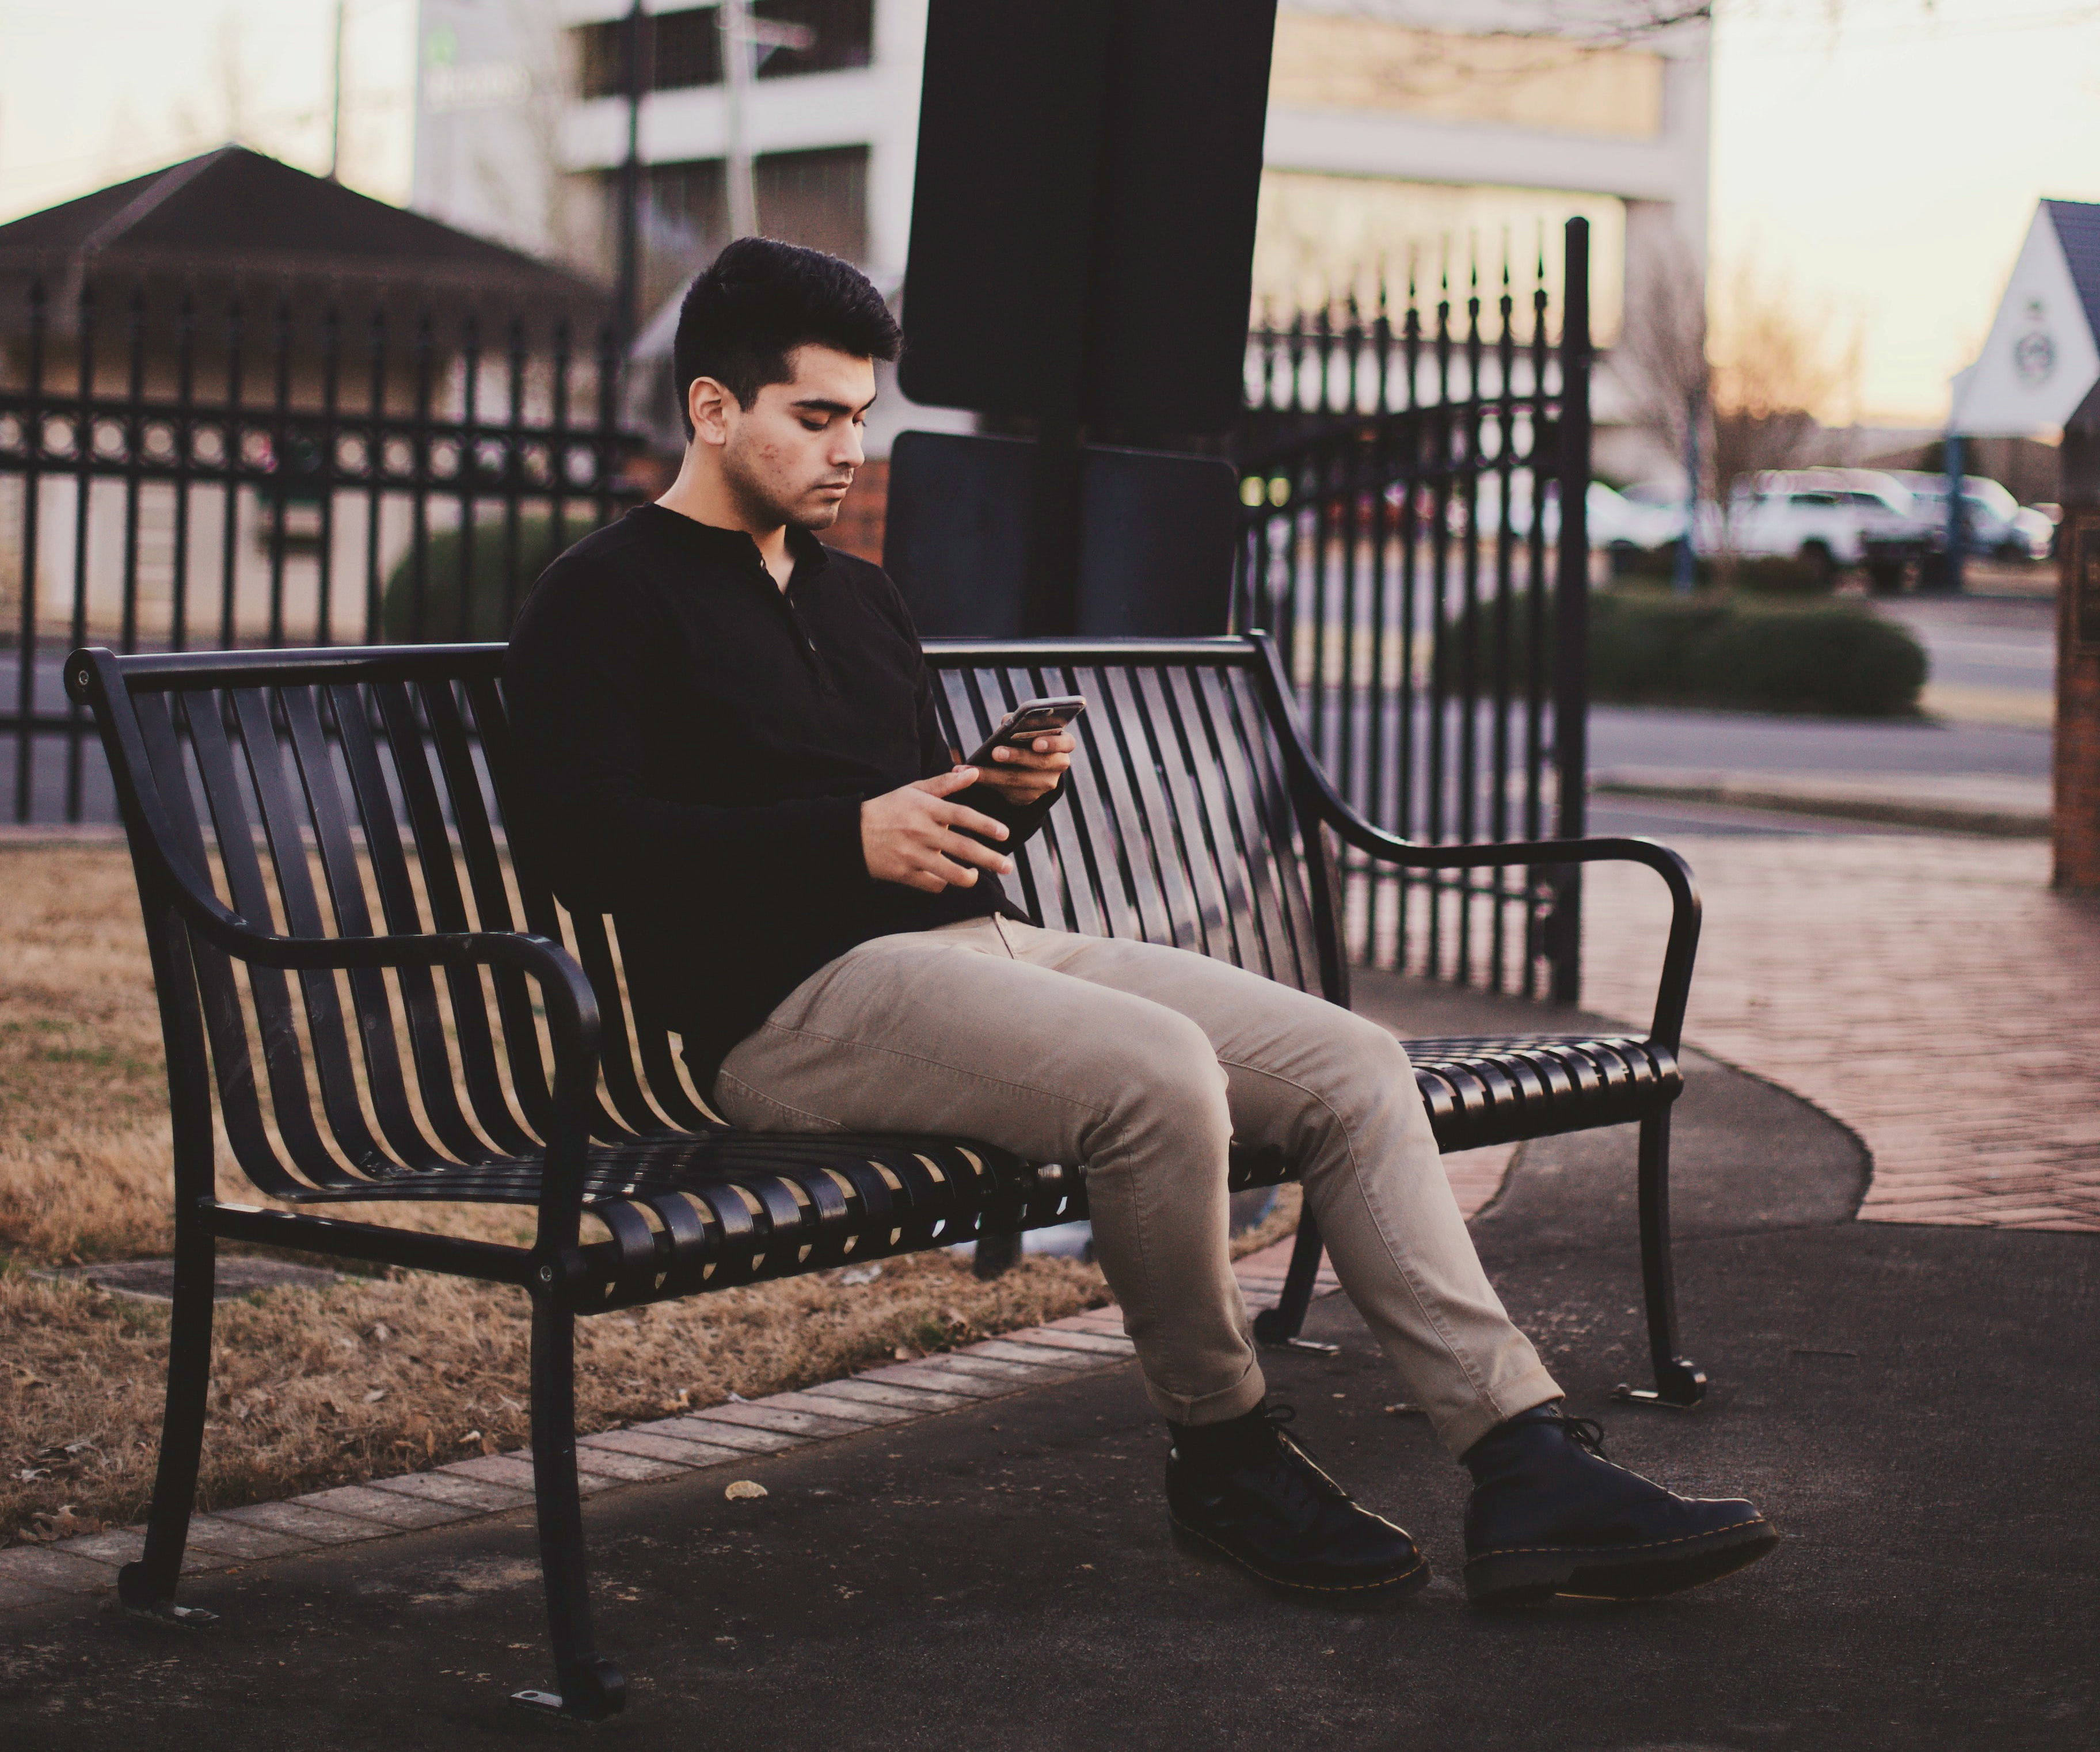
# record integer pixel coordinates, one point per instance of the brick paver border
(1931, 992)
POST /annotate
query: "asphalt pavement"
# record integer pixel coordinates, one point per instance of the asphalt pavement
(1991, 656)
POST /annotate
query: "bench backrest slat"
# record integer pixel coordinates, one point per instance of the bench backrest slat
(284, 832)
(331, 821)
(276, 1028)
(1178, 828)
(217, 994)
(537, 909)
(347, 793)
(424, 811)
(462, 782)
(387, 870)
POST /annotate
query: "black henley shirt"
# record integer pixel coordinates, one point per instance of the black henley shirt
(695, 745)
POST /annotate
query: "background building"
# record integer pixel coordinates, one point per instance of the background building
(1395, 127)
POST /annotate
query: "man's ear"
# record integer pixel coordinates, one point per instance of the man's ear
(707, 404)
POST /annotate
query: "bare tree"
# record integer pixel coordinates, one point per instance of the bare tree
(1774, 366)
(1744, 361)
(1661, 359)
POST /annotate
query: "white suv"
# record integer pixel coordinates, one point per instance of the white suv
(1990, 514)
(1827, 518)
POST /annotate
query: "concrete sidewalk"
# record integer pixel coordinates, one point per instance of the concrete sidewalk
(1909, 1404)
(2001, 805)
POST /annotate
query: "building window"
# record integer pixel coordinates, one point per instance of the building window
(816, 198)
(683, 49)
(819, 199)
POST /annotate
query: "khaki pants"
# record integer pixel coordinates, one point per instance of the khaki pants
(1144, 1062)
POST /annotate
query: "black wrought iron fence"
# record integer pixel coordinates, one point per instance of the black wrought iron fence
(177, 472)
(1413, 473)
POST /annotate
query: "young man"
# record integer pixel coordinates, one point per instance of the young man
(731, 737)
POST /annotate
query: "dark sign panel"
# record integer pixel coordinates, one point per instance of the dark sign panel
(1083, 222)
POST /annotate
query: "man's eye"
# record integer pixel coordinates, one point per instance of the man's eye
(815, 425)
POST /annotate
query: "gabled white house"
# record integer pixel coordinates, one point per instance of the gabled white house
(2040, 370)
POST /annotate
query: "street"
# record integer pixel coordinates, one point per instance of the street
(1988, 702)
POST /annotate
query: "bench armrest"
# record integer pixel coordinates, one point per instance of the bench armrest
(1318, 797)
(1673, 989)
(571, 1010)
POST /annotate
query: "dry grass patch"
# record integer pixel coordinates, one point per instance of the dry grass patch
(376, 1376)
(371, 1377)
(84, 1135)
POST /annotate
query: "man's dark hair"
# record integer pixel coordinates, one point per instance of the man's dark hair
(757, 301)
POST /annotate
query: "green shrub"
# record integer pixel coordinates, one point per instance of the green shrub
(1763, 575)
(1740, 651)
(491, 605)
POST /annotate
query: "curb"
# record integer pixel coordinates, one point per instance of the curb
(1897, 811)
(724, 1434)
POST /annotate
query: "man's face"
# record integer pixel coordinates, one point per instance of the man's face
(791, 455)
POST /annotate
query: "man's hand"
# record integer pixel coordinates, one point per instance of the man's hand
(912, 836)
(1025, 775)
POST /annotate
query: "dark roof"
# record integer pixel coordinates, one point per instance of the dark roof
(235, 211)
(2078, 230)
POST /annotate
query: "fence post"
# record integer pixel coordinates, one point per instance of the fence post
(1571, 677)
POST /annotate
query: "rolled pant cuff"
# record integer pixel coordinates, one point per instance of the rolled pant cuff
(1242, 1395)
(1459, 1432)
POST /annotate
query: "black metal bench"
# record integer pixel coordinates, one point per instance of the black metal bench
(348, 948)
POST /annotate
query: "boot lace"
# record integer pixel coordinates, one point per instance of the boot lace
(1585, 1433)
(1305, 1482)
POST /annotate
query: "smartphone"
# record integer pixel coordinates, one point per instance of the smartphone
(1031, 719)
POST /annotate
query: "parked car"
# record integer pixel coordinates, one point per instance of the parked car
(1827, 518)
(2051, 514)
(2036, 530)
(1662, 494)
(1616, 522)
(1990, 513)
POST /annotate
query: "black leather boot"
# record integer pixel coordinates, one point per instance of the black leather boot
(1246, 1492)
(1548, 1515)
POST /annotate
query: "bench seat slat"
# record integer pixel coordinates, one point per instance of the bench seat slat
(1479, 1091)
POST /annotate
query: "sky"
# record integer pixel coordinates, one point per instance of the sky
(1879, 160)
(1886, 166)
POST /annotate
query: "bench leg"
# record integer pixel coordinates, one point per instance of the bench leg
(592, 1688)
(1277, 1327)
(147, 1587)
(1679, 1382)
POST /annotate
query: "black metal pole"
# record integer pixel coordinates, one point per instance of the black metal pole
(627, 297)
(1571, 659)
(1052, 608)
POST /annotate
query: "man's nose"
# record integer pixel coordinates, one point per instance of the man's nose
(848, 453)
